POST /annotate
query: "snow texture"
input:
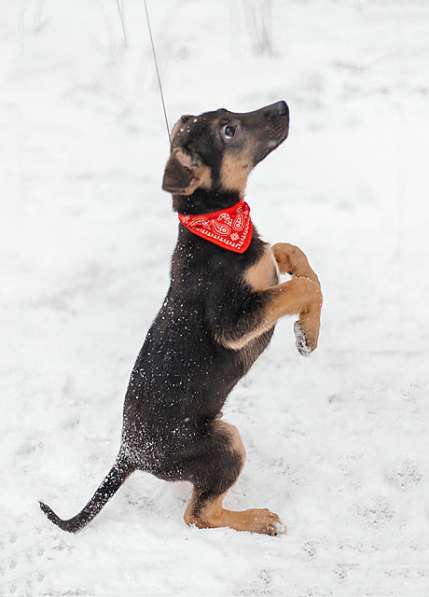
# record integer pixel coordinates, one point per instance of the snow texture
(338, 442)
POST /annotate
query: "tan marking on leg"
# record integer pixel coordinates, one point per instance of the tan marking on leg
(241, 342)
(264, 273)
(292, 260)
(303, 296)
(214, 515)
(298, 296)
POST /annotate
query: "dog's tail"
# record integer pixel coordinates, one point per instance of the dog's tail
(110, 485)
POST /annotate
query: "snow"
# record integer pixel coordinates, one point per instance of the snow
(337, 443)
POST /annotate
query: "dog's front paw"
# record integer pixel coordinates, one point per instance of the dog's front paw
(291, 260)
(282, 254)
(305, 342)
(301, 340)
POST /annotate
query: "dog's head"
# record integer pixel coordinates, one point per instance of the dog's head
(217, 150)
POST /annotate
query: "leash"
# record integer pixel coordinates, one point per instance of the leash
(155, 59)
(120, 7)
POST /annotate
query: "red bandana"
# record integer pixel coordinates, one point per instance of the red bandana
(229, 228)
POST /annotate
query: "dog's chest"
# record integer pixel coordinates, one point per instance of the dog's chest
(264, 273)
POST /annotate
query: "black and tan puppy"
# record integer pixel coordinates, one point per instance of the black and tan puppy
(217, 318)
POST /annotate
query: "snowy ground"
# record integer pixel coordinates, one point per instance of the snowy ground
(338, 443)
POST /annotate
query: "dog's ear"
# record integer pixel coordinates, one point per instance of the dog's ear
(177, 174)
(184, 174)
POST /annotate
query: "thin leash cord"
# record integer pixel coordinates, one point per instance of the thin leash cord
(120, 7)
(155, 59)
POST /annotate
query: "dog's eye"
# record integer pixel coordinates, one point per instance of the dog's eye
(228, 131)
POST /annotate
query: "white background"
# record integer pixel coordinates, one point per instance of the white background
(338, 443)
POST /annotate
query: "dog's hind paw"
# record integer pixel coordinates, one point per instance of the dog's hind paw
(301, 340)
(281, 528)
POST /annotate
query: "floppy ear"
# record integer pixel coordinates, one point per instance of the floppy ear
(177, 176)
(184, 174)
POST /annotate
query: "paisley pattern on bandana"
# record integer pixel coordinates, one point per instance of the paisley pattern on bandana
(229, 228)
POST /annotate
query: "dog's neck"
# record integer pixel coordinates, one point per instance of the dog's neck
(202, 201)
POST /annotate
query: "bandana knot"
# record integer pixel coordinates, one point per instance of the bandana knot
(229, 228)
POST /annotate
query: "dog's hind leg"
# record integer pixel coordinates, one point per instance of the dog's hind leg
(220, 458)
(110, 485)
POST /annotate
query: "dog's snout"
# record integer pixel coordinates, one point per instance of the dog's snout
(278, 109)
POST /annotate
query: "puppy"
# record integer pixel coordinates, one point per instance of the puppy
(217, 318)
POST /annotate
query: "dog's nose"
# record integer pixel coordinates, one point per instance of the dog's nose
(281, 108)
(275, 110)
